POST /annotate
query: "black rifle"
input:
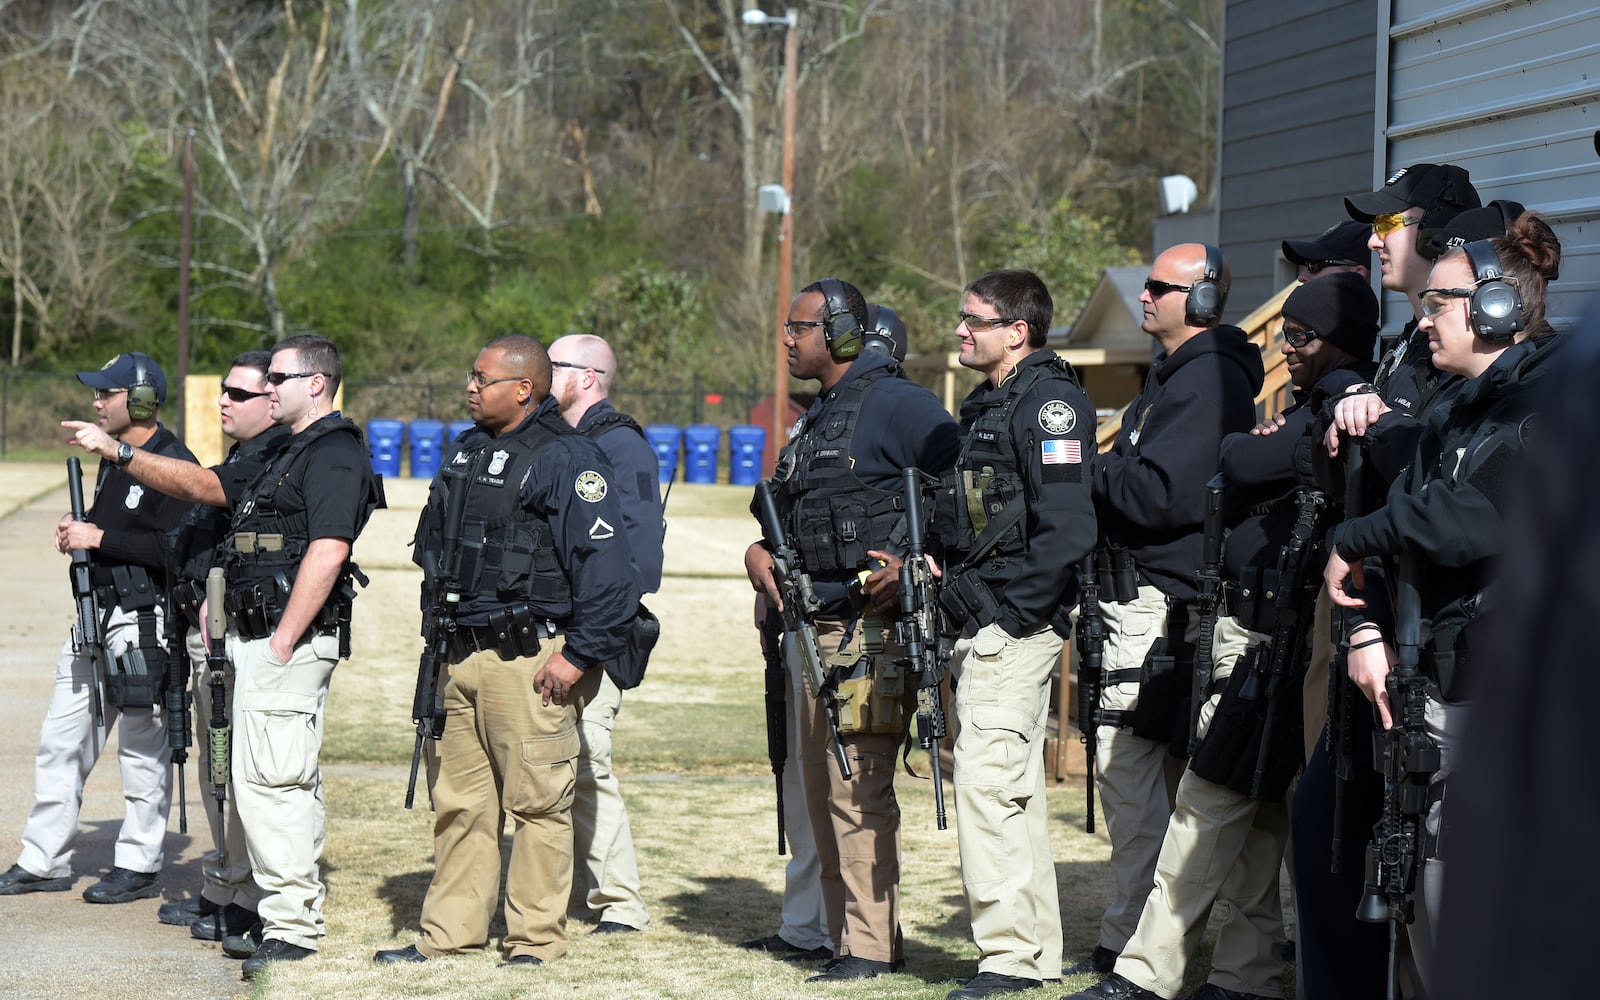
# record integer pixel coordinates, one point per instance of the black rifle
(1341, 702)
(777, 688)
(442, 574)
(1209, 580)
(87, 634)
(219, 732)
(917, 629)
(175, 698)
(1298, 583)
(1410, 758)
(1091, 640)
(800, 605)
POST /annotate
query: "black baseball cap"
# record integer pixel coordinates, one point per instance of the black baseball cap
(126, 371)
(1484, 223)
(1343, 243)
(1442, 190)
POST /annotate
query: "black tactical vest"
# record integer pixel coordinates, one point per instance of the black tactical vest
(831, 517)
(506, 551)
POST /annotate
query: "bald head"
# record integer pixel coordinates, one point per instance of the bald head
(1165, 312)
(582, 368)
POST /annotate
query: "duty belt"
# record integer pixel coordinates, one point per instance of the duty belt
(187, 596)
(512, 632)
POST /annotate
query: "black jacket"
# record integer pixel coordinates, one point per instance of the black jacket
(134, 517)
(1149, 488)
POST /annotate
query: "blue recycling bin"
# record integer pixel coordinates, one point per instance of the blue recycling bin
(746, 445)
(700, 443)
(427, 445)
(456, 429)
(385, 439)
(664, 440)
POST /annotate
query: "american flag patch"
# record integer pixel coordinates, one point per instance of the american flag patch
(1061, 452)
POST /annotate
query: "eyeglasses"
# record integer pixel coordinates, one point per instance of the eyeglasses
(1160, 288)
(795, 328)
(1318, 266)
(278, 378)
(239, 395)
(1298, 336)
(1383, 225)
(101, 395)
(1434, 300)
(600, 371)
(478, 380)
(981, 324)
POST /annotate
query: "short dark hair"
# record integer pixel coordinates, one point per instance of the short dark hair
(853, 298)
(259, 360)
(527, 358)
(317, 354)
(1018, 294)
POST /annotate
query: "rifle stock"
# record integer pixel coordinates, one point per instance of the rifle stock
(219, 731)
(917, 629)
(86, 635)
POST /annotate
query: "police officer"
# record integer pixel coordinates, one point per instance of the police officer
(246, 411)
(1228, 830)
(548, 589)
(606, 881)
(1483, 316)
(803, 932)
(838, 489)
(122, 532)
(1149, 492)
(1016, 515)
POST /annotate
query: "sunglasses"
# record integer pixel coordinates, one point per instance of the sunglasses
(1434, 300)
(1318, 266)
(602, 371)
(1298, 337)
(278, 378)
(239, 395)
(1160, 288)
(104, 394)
(981, 324)
(1383, 225)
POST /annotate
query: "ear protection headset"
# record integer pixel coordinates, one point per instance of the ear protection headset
(1204, 302)
(1496, 305)
(143, 396)
(840, 329)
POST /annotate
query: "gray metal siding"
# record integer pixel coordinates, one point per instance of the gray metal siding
(1297, 123)
(1511, 92)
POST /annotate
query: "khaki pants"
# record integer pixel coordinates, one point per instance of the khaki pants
(230, 882)
(502, 753)
(70, 744)
(1002, 698)
(278, 717)
(605, 881)
(1219, 845)
(855, 825)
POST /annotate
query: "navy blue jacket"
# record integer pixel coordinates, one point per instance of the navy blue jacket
(638, 487)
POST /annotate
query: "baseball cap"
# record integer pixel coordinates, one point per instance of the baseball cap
(1341, 308)
(885, 326)
(1484, 223)
(126, 371)
(1345, 242)
(1442, 190)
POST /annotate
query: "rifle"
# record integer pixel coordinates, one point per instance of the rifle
(917, 629)
(1091, 640)
(1341, 722)
(219, 731)
(800, 605)
(777, 684)
(1410, 759)
(86, 633)
(175, 698)
(1209, 579)
(442, 571)
(1291, 624)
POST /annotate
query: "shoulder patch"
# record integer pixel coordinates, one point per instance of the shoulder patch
(1056, 417)
(590, 486)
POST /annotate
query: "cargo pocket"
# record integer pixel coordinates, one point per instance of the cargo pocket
(546, 774)
(280, 739)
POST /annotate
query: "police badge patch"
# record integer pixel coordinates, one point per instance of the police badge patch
(497, 464)
(591, 486)
(1056, 417)
(135, 494)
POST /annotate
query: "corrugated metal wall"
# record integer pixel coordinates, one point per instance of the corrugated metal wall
(1511, 92)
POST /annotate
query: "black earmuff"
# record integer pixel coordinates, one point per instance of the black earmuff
(143, 396)
(1203, 305)
(1496, 305)
(840, 329)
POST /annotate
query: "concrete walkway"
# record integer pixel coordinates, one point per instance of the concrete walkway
(54, 945)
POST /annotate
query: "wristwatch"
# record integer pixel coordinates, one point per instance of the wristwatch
(124, 454)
